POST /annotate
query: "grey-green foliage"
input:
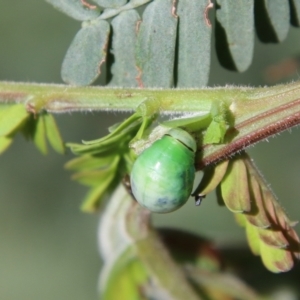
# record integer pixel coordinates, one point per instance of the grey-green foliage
(167, 43)
(74, 9)
(155, 47)
(124, 69)
(86, 54)
(112, 12)
(236, 18)
(194, 44)
(110, 3)
(279, 14)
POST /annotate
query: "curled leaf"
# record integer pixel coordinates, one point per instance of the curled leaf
(269, 231)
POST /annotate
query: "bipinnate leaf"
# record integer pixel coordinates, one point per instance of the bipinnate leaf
(14, 118)
(42, 127)
(114, 142)
(104, 147)
(124, 69)
(234, 187)
(86, 54)
(75, 9)
(155, 47)
(269, 230)
(235, 33)
(194, 43)
(103, 162)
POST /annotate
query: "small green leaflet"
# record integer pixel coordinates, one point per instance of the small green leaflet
(42, 127)
(12, 117)
(53, 134)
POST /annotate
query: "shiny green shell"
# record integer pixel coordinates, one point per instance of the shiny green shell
(162, 176)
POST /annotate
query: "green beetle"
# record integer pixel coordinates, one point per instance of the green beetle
(162, 176)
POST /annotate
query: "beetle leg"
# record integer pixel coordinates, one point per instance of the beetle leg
(198, 199)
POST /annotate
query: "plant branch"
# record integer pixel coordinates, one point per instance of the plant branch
(63, 98)
(257, 113)
(266, 112)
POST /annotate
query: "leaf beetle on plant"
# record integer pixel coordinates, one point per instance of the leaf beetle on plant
(162, 176)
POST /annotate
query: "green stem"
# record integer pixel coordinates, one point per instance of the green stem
(257, 112)
(63, 98)
(265, 112)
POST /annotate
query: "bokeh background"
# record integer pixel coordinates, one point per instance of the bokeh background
(48, 248)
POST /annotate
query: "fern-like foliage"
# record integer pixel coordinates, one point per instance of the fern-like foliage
(167, 43)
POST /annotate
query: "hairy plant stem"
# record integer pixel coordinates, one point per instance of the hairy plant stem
(257, 113)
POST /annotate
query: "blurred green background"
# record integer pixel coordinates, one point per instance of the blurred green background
(48, 248)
